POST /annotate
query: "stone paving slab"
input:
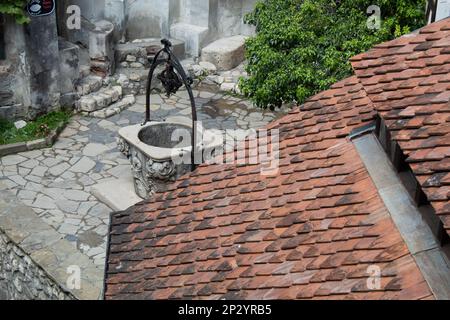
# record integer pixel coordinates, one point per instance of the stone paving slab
(117, 194)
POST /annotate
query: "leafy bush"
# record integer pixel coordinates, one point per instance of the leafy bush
(303, 46)
(14, 8)
(40, 128)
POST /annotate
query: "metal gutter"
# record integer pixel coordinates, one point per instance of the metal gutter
(418, 236)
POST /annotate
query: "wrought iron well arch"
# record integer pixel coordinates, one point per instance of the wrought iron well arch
(172, 83)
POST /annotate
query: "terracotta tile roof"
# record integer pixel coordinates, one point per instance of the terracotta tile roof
(312, 230)
(309, 232)
(408, 80)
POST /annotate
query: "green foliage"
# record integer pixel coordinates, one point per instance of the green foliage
(15, 8)
(40, 128)
(303, 46)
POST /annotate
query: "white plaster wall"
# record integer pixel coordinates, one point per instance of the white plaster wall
(136, 19)
(148, 18)
(115, 13)
(247, 6)
(229, 17)
(91, 10)
(194, 12)
(443, 9)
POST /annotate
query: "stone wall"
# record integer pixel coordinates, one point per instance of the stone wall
(230, 14)
(43, 57)
(29, 77)
(36, 261)
(22, 279)
(116, 14)
(15, 98)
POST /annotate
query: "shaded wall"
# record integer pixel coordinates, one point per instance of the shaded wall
(30, 74)
(91, 10)
(43, 57)
(15, 98)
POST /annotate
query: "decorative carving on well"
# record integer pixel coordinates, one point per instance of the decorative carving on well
(124, 147)
(148, 173)
(144, 189)
(160, 170)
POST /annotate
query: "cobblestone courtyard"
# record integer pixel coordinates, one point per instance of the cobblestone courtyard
(57, 182)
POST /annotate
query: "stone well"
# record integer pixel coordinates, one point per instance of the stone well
(160, 152)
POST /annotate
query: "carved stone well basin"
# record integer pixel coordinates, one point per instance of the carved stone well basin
(160, 152)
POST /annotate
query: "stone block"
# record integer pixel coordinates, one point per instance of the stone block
(101, 47)
(228, 87)
(99, 43)
(117, 194)
(87, 104)
(89, 84)
(225, 53)
(102, 100)
(20, 124)
(143, 49)
(118, 93)
(193, 36)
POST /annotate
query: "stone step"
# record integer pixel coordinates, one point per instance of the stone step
(138, 52)
(115, 108)
(85, 71)
(194, 36)
(132, 80)
(225, 53)
(99, 99)
(88, 85)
